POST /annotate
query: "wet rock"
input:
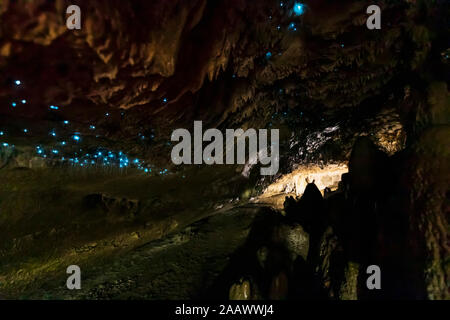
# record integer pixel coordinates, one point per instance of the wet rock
(331, 264)
(349, 288)
(122, 207)
(279, 287)
(262, 255)
(240, 290)
(293, 238)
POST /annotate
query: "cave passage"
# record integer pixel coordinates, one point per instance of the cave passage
(224, 150)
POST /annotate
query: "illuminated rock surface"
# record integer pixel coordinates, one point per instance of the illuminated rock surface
(85, 171)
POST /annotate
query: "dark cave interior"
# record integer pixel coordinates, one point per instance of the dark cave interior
(86, 176)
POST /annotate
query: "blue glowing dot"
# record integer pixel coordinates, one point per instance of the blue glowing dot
(76, 137)
(24, 101)
(299, 8)
(281, 4)
(55, 151)
(5, 144)
(18, 82)
(54, 107)
(342, 45)
(292, 26)
(14, 104)
(66, 122)
(278, 27)
(53, 133)
(165, 100)
(25, 130)
(92, 127)
(107, 114)
(99, 153)
(1, 133)
(63, 143)
(268, 55)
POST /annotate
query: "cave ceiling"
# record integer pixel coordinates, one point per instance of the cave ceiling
(138, 69)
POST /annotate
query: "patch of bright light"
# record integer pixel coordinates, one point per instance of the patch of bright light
(292, 26)
(299, 8)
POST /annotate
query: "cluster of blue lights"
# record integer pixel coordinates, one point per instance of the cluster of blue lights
(63, 152)
(292, 26)
(100, 157)
(299, 8)
(23, 101)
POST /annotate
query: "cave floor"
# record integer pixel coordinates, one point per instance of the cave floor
(132, 235)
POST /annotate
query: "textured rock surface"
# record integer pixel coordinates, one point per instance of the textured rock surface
(139, 69)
